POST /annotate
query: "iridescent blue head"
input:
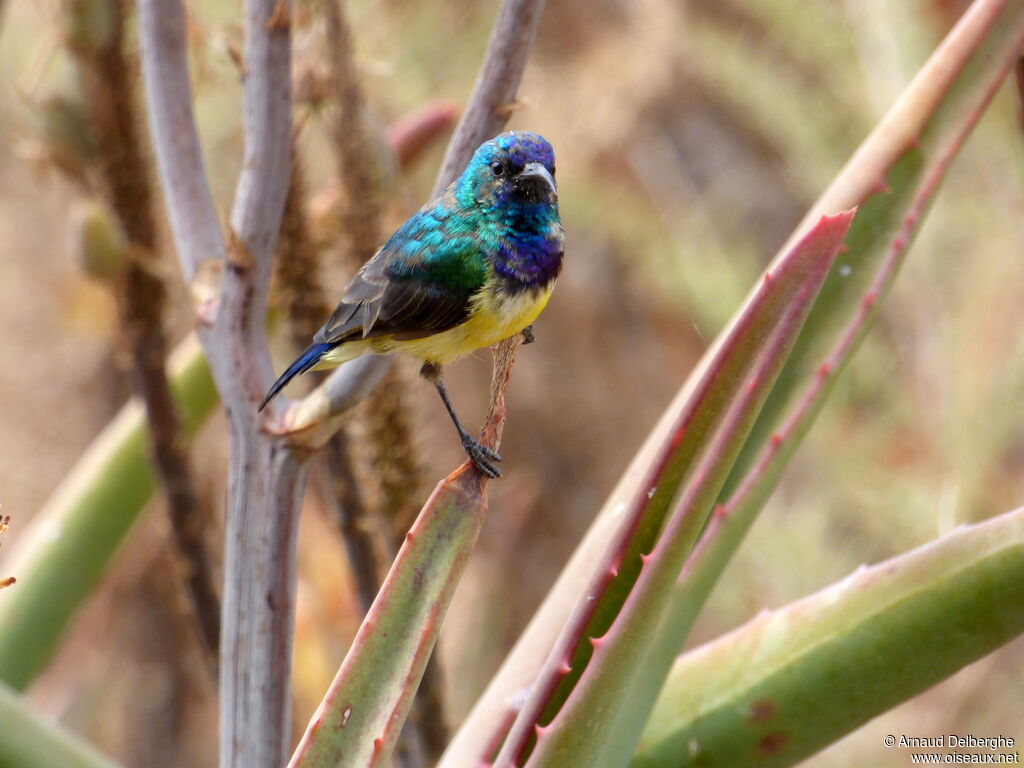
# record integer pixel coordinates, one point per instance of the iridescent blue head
(513, 170)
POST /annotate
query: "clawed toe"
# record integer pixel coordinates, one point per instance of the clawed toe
(481, 456)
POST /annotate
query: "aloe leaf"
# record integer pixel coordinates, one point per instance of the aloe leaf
(28, 740)
(63, 555)
(940, 106)
(758, 347)
(892, 180)
(766, 693)
(893, 177)
(360, 717)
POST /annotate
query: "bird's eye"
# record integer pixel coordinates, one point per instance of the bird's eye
(497, 168)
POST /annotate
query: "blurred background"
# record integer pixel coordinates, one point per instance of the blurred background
(691, 137)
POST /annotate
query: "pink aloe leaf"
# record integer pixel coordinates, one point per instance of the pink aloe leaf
(359, 719)
(716, 421)
(959, 81)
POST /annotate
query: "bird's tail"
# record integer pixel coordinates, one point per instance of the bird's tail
(302, 363)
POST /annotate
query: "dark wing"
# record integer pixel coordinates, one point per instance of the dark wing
(407, 290)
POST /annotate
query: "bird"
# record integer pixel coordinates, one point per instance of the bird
(472, 267)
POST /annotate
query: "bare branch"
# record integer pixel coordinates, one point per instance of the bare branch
(265, 478)
(262, 186)
(193, 217)
(309, 423)
(496, 84)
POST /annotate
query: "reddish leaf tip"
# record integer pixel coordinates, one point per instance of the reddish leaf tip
(840, 220)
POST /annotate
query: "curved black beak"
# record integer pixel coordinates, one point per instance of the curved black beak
(535, 176)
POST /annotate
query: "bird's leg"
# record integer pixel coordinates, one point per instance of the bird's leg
(528, 335)
(479, 454)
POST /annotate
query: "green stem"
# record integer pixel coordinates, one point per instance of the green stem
(27, 740)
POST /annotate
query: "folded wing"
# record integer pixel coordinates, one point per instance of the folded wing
(420, 283)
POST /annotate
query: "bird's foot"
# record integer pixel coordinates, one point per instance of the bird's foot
(481, 456)
(528, 335)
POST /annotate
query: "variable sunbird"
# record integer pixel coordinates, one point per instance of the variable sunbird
(470, 268)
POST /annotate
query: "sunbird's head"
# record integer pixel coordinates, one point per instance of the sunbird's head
(514, 169)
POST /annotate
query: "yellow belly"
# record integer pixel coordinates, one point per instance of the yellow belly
(493, 318)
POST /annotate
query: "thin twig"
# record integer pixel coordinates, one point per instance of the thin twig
(496, 84)
(1019, 71)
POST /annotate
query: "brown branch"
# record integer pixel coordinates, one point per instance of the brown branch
(389, 434)
(364, 204)
(107, 79)
(297, 264)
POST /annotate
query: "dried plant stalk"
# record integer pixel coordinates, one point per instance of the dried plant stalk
(107, 77)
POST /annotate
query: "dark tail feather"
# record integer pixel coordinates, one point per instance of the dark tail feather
(303, 363)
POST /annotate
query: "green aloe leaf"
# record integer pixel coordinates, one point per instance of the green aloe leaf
(765, 694)
(892, 177)
(28, 740)
(364, 709)
(62, 557)
(754, 352)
